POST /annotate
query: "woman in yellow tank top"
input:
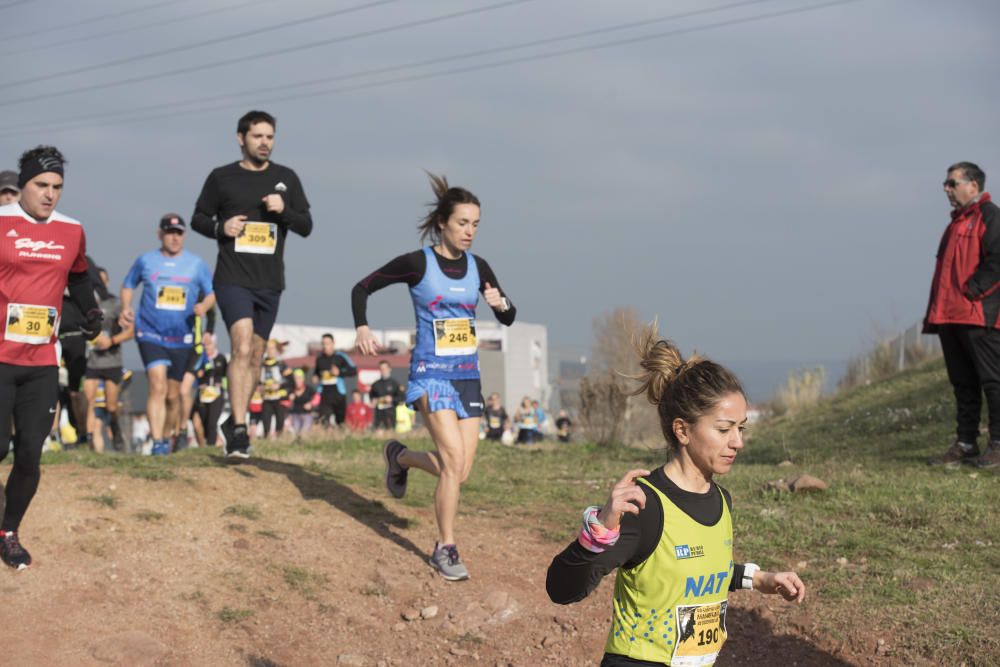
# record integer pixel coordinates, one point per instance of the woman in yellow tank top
(669, 532)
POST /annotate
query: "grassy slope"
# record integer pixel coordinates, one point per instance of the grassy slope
(922, 545)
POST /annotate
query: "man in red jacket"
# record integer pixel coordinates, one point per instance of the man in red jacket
(963, 309)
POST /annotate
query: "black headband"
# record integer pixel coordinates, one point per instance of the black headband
(36, 165)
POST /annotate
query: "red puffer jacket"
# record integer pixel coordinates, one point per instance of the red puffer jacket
(966, 286)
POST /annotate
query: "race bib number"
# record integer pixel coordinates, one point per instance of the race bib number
(494, 423)
(328, 378)
(30, 324)
(454, 337)
(701, 631)
(209, 393)
(171, 297)
(258, 238)
(384, 402)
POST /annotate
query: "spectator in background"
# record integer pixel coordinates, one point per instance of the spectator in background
(497, 420)
(104, 365)
(275, 380)
(526, 419)
(210, 374)
(563, 426)
(542, 418)
(404, 415)
(256, 410)
(384, 395)
(303, 401)
(359, 414)
(9, 192)
(331, 369)
(963, 309)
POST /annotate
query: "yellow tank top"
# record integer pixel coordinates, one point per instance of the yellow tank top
(671, 608)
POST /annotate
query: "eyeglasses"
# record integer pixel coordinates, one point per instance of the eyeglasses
(953, 183)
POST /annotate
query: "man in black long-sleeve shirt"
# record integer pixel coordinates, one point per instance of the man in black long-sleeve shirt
(249, 207)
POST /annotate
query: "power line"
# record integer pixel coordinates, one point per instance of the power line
(199, 44)
(13, 4)
(418, 64)
(136, 28)
(265, 54)
(17, 36)
(479, 67)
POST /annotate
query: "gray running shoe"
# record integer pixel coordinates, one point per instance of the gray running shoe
(958, 453)
(448, 563)
(395, 474)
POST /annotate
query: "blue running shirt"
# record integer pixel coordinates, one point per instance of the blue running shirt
(171, 286)
(445, 308)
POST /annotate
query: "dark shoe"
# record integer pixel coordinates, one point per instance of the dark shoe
(991, 457)
(12, 552)
(395, 474)
(237, 440)
(180, 441)
(957, 454)
(447, 562)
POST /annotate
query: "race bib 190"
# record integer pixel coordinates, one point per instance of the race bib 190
(258, 238)
(30, 324)
(701, 631)
(455, 336)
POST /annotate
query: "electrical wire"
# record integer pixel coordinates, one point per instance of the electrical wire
(135, 28)
(199, 44)
(19, 35)
(475, 68)
(265, 54)
(389, 69)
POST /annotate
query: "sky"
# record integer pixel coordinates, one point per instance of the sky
(765, 177)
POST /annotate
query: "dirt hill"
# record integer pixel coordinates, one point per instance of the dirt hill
(267, 563)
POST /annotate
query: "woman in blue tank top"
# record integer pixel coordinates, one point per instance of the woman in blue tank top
(445, 282)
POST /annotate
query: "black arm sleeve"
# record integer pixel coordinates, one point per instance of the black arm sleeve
(408, 268)
(486, 275)
(576, 572)
(81, 291)
(296, 215)
(986, 278)
(205, 209)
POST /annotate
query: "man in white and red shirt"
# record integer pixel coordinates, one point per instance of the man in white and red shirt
(41, 255)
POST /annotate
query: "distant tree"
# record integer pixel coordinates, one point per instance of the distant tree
(608, 412)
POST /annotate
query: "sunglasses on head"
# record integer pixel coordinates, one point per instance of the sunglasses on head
(953, 183)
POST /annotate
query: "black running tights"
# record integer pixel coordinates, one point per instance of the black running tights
(28, 397)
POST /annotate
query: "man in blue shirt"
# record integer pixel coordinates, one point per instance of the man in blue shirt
(172, 280)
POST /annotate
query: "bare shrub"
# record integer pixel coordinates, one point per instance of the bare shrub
(607, 411)
(802, 389)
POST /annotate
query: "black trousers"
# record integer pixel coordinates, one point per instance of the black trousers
(278, 411)
(972, 357)
(28, 396)
(209, 414)
(332, 404)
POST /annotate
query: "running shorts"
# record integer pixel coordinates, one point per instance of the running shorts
(465, 397)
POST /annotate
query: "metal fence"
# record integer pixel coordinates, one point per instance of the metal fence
(904, 350)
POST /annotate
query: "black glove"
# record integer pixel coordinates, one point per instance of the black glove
(91, 327)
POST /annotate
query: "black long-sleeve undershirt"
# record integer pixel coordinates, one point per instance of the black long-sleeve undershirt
(81, 292)
(576, 572)
(410, 268)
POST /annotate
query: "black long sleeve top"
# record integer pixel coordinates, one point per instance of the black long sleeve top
(232, 190)
(409, 269)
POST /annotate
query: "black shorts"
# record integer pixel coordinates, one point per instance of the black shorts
(74, 354)
(174, 358)
(108, 374)
(239, 303)
(385, 418)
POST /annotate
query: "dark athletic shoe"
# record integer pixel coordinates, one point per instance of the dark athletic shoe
(991, 457)
(958, 453)
(447, 562)
(181, 441)
(237, 440)
(12, 552)
(395, 474)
